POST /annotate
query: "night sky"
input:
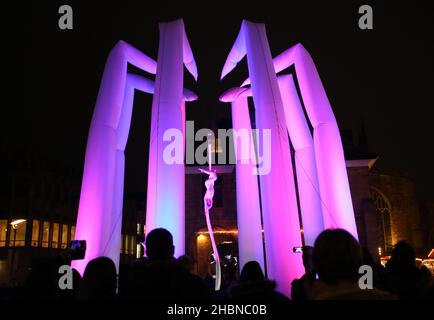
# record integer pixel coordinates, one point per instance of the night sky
(381, 77)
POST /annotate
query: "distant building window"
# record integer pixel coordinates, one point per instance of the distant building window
(55, 236)
(138, 251)
(216, 147)
(132, 244)
(384, 212)
(3, 232)
(123, 244)
(45, 234)
(64, 236)
(73, 233)
(35, 233)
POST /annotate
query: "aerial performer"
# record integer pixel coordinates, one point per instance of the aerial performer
(207, 201)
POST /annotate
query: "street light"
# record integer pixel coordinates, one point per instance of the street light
(14, 225)
(17, 222)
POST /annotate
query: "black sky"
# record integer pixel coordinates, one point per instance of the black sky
(383, 77)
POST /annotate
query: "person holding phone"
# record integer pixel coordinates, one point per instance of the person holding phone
(300, 288)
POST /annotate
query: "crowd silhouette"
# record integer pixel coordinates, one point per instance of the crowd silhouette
(331, 273)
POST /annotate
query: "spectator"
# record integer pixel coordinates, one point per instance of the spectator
(99, 280)
(408, 281)
(380, 277)
(301, 288)
(336, 258)
(253, 286)
(161, 277)
(229, 281)
(187, 262)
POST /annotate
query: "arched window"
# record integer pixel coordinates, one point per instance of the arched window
(384, 211)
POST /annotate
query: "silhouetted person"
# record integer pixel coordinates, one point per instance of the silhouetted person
(229, 281)
(209, 278)
(186, 262)
(159, 245)
(336, 258)
(408, 281)
(161, 277)
(253, 286)
(301, 288)
(99, 280)
(251, 272)
(380, 276)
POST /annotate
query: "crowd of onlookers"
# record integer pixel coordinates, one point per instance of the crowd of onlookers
(331, 273)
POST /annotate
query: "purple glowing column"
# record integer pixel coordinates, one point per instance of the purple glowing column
(166, 182)
(278, 195)
(307, 179)
(279, 203)
(335, 192)
(133, 82)
(248, 207)
(95, 214)
(338, 209)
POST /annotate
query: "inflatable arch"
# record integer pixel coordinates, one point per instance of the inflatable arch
(99, 218)
(322, 181)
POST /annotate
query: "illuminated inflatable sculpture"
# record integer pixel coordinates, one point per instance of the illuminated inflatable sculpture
(99, 218)
(322, 182)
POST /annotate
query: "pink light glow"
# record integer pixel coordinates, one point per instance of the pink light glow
(322, 179)
(99, 218)
(166, 182)
(248, 206)
(279, 204)
(334, 188)
(307, 179)
(325, 199)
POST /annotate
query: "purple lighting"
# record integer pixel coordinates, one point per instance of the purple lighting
(323, 188)
(278, 194)
(267, 204)
(99, 218)
(166, 182)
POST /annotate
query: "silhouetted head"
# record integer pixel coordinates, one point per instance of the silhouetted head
(403, 255)
(99, 280)
(186, 262)
(251, 272)
(307, 258)
(336, 256)
(159, 245)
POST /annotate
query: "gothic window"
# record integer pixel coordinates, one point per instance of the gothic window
(384, 211)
